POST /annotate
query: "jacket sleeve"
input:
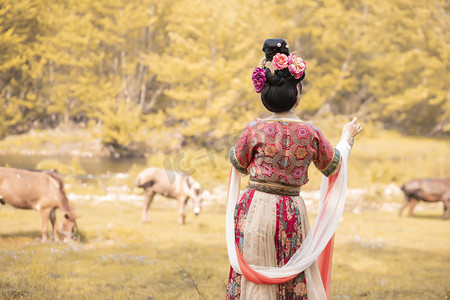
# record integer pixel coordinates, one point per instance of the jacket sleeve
(241, 154)
(326, 158)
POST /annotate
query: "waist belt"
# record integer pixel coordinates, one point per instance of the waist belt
(274, 188)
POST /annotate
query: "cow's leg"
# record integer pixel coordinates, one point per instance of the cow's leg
(182, 210)
(45, 215)
(52, 218)
(405, 204)
(413, 203)
(148, 198)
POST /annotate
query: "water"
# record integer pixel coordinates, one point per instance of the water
(92, 165)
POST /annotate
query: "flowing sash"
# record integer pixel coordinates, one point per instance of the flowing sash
(331, 206)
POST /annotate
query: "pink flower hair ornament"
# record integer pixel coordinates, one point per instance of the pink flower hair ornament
(295, 64)
(280, 61)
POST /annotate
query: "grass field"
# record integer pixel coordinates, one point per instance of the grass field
(377, 255)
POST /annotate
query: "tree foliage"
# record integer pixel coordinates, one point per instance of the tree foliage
(144, 66)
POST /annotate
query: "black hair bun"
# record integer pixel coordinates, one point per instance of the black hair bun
(275, 78)
(274, 46)
(279, 93)
(281, 77)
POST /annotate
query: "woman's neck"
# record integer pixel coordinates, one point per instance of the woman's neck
(284, 115)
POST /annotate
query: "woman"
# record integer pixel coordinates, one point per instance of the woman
(271, 249)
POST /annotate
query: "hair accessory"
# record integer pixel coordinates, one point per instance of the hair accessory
(279, 45)
(269, 65)
(280, 61)
(296, 66)
(263, 62)
(294, 63)
(259, 79)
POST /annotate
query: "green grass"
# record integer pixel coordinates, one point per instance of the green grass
(377, 255)
(381, 256)
(118, 258)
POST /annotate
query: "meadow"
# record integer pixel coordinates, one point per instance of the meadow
(377, 254)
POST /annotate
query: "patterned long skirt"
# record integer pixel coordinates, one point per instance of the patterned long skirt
(268, 230)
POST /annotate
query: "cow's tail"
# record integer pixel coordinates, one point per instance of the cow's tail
(138, 181)
(142, 183)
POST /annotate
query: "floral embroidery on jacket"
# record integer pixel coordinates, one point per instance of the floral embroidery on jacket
(270, 149)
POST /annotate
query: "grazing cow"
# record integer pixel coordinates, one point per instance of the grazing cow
(429, 190)
(42, 191)
(170, 184)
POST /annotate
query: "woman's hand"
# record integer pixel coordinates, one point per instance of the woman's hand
(352, 127)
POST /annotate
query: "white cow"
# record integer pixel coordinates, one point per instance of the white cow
(172, 184)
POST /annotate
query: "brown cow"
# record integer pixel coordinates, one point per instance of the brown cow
(170, 184)
(42, 191)
(428, 190)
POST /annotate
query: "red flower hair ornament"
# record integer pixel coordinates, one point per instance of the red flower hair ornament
(280, 61)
